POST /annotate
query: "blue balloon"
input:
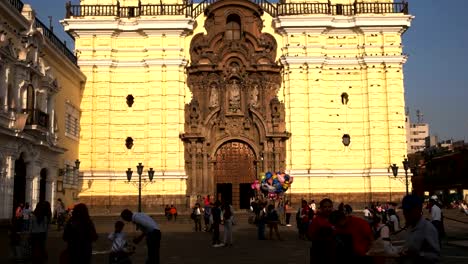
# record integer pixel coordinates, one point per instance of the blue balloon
(268, 175)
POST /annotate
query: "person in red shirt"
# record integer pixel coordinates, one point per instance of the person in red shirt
(353, 237)
(303, 217)
(320, 232)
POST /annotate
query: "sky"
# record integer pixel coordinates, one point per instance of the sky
(436, 73)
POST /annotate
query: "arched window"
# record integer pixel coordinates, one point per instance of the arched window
(27, 98)
(233, 27)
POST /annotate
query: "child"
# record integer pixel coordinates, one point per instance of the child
(120, 251)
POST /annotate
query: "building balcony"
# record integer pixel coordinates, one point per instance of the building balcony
(36, 119)
(274, 9)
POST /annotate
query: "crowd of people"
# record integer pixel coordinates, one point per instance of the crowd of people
(337, 234)
(214, 214)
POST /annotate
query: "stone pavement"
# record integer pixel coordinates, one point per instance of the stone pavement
(181, 245)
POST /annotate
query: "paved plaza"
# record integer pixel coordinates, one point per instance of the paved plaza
(181, 245)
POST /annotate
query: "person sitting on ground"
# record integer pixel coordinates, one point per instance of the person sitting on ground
(120, 250)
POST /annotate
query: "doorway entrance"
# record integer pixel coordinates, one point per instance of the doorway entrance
(245, 193)
(19, 188)
(224, 192)
(234, 171)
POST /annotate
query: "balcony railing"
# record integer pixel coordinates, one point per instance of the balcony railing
(17, 4)
(61, 46)
(126, 11)
(340, 9)
(36, 117)
(196, 9)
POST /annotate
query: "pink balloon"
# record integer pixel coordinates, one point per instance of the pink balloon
(281, 178)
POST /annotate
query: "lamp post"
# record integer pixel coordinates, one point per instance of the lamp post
(140, 172)
(406, 167)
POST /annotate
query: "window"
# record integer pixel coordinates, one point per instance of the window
(72, 121)
(233, 27)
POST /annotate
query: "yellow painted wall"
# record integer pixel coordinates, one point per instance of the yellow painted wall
(374, 116)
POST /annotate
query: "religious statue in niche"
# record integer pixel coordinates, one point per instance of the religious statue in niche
(234, 96)
(194, 115)
(214, 97)
(254, 96)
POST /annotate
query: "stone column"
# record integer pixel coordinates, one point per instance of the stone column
(32, 184)
(205, 189)
(51, 112)
(211, 176)
(4, 81)
(193, 154)
(6, 188)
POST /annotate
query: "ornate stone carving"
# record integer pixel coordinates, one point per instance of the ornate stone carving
(214, 96)
(253, 99)
(234, 91)
(234, 84)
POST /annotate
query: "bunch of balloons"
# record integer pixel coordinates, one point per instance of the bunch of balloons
(273, 184)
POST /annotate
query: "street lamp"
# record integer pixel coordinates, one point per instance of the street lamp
(406, 167)
(140, 168)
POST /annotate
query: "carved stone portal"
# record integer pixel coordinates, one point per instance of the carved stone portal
(235, 119)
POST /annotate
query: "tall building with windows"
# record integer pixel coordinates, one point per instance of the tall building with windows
(417, 133)
(211, 95)
(40, 96)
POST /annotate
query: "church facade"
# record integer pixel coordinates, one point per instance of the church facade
(212, 95)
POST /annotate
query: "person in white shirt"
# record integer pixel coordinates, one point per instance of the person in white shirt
(149, 229)
(196, 215)
(436, 217)
(421, 245)
(394, 220)
(313, 206)
(367, 214)
(120, 250)
(26, 216)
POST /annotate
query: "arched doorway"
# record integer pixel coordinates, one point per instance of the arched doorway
(234, 172)
(42, 185)
(19, 188)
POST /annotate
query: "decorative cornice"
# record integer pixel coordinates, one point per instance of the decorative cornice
(142, 26)
(142, 63)
(382, 172)
(289, 60)
(113, 175)
(319, 24)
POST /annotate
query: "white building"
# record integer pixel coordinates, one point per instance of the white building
(416, 133)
